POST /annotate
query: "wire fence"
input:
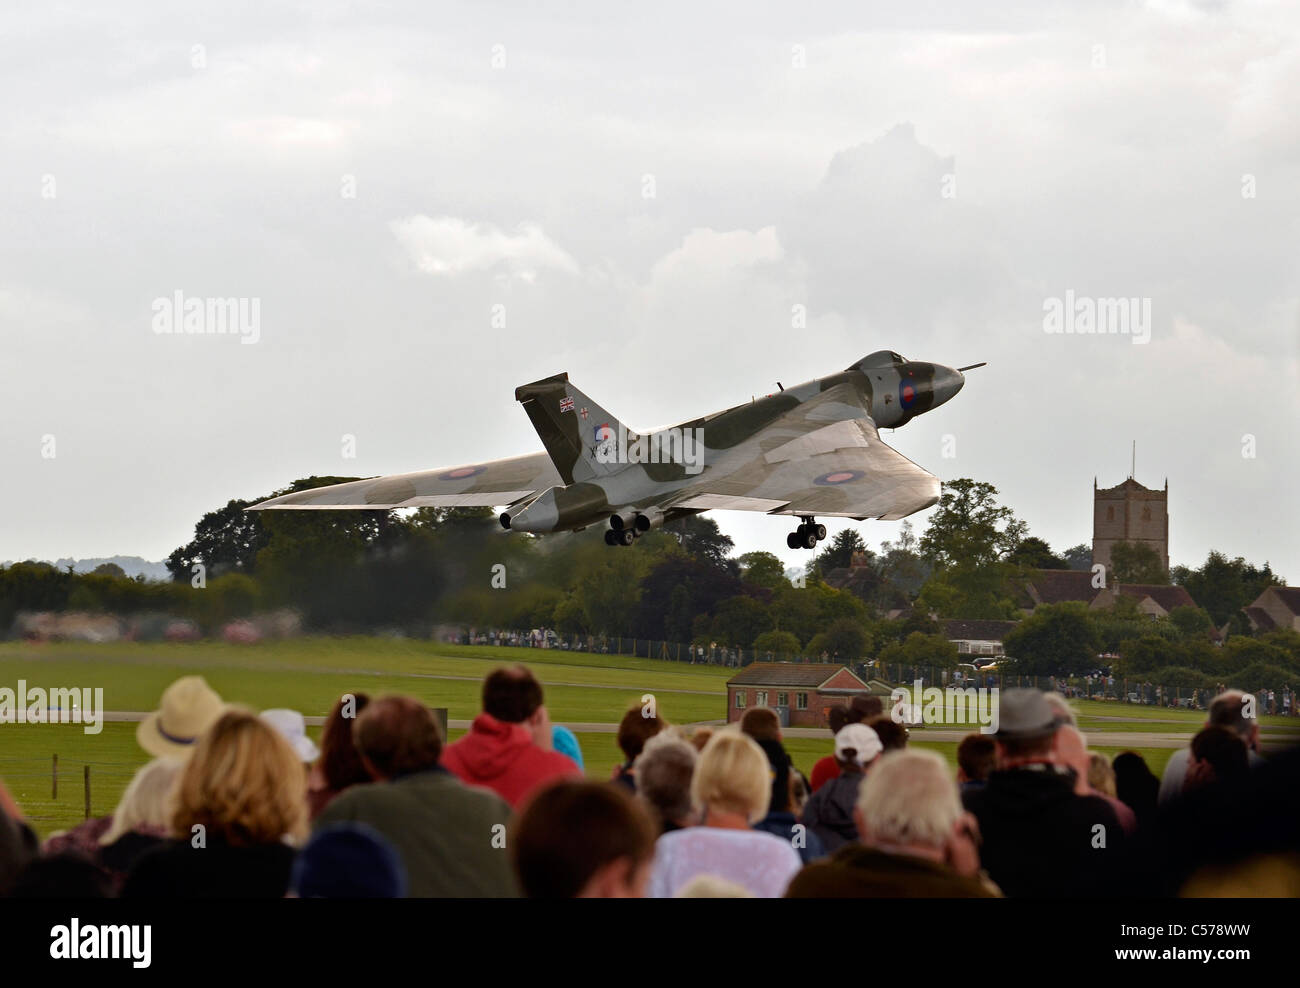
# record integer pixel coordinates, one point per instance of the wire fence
(59, 793)
(1281, 700)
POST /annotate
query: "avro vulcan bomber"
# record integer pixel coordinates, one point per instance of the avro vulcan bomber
(808, 450)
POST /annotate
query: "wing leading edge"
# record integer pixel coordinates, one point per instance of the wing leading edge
(498, 482)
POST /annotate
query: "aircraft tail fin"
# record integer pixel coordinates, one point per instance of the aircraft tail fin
(571, 426)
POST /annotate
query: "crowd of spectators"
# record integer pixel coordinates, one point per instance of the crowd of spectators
(237, 803)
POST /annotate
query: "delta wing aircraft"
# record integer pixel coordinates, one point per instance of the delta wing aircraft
(809, 450)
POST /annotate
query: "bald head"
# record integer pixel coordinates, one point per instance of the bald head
(1072, 751)
(1235, 711)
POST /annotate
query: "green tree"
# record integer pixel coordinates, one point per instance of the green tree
(1141, 657)
(1056, 640)
(1033, 553)
(968, 541)
(700, 536)
(1224, 586)
(780, 643)
(839, 554)
(739, 620)
(225, 540)
(1078, 556)
(762, 569)
(796, 610)
(1191, 622)
(970, 527)
(1134, 562)
(902, 570)
(846, 640)
(924, 651)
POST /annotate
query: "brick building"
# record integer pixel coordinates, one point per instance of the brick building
(802, 693)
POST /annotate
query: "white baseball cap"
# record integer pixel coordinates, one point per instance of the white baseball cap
(292, 725)
(861, 740)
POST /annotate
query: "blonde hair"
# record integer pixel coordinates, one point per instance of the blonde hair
(908, 797)
(146, 804)
(733, 775)
(713, 887)
(1101, 776)
(244, 783)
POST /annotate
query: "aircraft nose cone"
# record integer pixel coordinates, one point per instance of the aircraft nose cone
(947, 382)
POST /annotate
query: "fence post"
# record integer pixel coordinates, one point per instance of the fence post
(87, 775)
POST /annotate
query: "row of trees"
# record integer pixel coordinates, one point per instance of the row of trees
(367, 570)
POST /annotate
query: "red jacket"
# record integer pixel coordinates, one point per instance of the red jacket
(502, 757)
(826, 769)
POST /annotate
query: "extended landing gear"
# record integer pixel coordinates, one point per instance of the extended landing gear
(625, 537)
(807, 535)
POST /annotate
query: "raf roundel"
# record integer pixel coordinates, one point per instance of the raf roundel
(906, 392)
(838, 477)
(460, 473)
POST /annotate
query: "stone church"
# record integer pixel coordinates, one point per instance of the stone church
(1130, 512)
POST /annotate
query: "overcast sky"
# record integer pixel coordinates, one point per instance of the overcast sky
(649, 191)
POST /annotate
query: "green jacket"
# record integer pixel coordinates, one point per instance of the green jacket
(451, 837)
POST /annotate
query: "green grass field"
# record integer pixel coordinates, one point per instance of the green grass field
(309, 675)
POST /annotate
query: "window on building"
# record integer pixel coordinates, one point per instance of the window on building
(760, 698)
(783, 699)
(740, 699)
(801, 700)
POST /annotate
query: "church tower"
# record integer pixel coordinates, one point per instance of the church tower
(1130, 512)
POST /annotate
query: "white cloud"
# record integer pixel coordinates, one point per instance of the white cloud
(706, 251)
(447, 246)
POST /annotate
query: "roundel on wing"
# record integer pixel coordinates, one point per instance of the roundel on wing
(460, 473)
(907, 392)
(838, 477)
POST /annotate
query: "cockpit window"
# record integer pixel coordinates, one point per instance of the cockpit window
(883, 358)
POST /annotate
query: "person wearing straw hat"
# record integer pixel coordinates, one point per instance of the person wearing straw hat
(187, 709)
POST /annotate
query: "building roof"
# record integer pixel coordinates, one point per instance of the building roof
(1129, 484)
(1260, 619)
(1165, 595)
(957, 629)
(1055, 586)
(806, 674)
(1290, 596)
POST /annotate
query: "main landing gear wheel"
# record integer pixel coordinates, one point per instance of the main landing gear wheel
(610, 537)
(806, 536)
